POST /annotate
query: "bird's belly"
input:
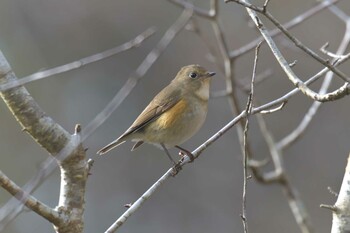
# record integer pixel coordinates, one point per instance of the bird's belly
(176, 125)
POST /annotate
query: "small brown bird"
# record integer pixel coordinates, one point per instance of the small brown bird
(174, 115)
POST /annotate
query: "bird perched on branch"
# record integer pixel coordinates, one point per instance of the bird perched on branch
(174, 115)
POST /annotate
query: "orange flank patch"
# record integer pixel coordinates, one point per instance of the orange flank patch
(169, 118)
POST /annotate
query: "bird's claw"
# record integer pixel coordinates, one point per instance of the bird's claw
(183, 153)
(176, 168)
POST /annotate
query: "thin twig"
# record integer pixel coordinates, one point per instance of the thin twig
(300, 129)
(296, 41)
(80, 63)
(242, 85)
(279, 176)
(245, 136)
(196, 10)
(287, 96)
(330, 54)
(274, 109)
(339, 13)
(329, 207)
(337, 94)
(292, 23)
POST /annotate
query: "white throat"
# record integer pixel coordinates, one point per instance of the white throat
(203, 92)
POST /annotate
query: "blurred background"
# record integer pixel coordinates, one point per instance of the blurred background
(207, 195)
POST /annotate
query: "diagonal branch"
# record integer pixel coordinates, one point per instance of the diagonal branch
(70, 154)
(290, 24)
(81, 62)
(251, 45)
(339, 93)
(30, 116)
(311, 80)
(300, 129)
(251, 9)
(31, 202)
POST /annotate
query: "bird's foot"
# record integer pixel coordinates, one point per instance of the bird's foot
(184, 152)
(176, 168)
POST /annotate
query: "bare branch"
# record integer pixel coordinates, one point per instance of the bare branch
(242, 85)
(339, 13)
(300, 129)
(339, 93)
(245, 144)
(333, 55)
(31, 202)
(329, 207)
(12, 208)
(274, 109)
(296, 90)
(251, 8)
(196, 10)
(341, 210)
(292, 23)
(80, 63)
(265, 4)
(67, 148)
(32, 118)
(279, 176)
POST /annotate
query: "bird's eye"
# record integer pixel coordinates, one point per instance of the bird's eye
(192, 75)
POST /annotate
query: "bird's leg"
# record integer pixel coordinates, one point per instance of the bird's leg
(176, 167)
(184, 152)
(167, 153)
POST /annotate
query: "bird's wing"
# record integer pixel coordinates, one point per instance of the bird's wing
(165, 100)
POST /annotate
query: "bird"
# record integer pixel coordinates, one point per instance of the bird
(174, 115)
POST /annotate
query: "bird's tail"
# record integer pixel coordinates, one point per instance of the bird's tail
(111, 146)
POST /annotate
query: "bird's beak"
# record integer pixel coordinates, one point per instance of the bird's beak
(211, 74)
